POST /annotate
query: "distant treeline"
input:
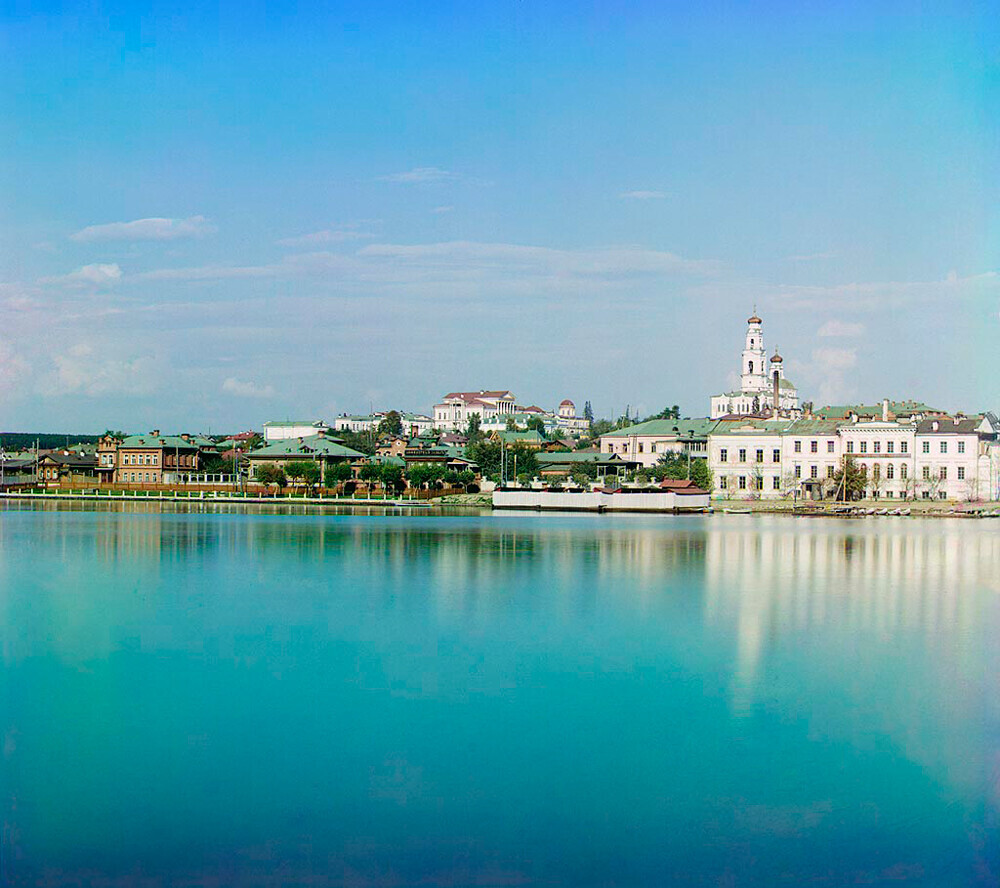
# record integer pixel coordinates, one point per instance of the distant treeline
(49, 441)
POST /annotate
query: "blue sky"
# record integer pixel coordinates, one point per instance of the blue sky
(213, 217)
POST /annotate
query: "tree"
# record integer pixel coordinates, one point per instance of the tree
(360, 441)
(850, 479)
(338, 473)
(216, 465)
(536, 424)
(673, 412)
(391, 476)
(680, 467)
(512, 424)
(370, 473)
(588, 412)
(486, 455)
(524, 458)
(601, 427)
(473, 431)
(303, 471)
(391, 424)
(466, 477)
(271, 475)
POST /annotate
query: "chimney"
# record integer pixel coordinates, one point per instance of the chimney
(776, 401)
(156, 433)
(935, 425)
(885, 410)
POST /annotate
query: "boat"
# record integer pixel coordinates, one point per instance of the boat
(738, 511)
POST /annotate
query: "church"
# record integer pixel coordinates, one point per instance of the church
(763, 387)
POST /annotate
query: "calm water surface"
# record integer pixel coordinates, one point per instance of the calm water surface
(227, 698)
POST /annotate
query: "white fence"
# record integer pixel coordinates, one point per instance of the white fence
(595, 501)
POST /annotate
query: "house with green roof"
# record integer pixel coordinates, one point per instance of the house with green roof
(566, 463)
(320, 449)
(646, 442)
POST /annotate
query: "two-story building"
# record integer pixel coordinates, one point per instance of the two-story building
(647, 442)
(457, 408)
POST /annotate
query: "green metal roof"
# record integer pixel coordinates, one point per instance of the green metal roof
(578, 456)
(843, 411)
(155, 442)
(667, 428)
(531, 437)
(308, 448)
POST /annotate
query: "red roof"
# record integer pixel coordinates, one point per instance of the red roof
(682, 485)
(475, 396)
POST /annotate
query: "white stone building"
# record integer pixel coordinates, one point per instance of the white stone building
(763, 386)
(300, 428)
(646, 442)
(567, 419)
(456, 408)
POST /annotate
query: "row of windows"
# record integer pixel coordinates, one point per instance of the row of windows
(814, 446)
(890, 447)
(138, 477)
(140, 459)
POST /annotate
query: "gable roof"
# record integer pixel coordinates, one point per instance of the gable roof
(308, 448)
(667, 428)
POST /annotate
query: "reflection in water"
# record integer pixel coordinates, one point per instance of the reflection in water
(657, 692)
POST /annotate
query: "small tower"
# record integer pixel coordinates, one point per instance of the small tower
(777, 372)
(753, 371)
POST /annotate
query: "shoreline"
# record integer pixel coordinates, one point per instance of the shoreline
(481, 502)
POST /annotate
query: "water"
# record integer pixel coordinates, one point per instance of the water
(227, 698)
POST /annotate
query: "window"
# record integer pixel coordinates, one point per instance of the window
(723, 482)
(743, 454)
(760, 455)
(902, 472)
(814, 446)
(830, 446)
(798, 471)
(760, 483)
(944, 473)
(743, 482)
(927, 473)
(640, 447)
(652, 447)
(944, 446)
(751, 366)
(864, 446)
(813, 471)
(776, 455)
(776, 483)
(798, 446)
(904, 447)
(829, 471)
(961, 473)
(961, 447)
(850, 447)
(723, 455)
(890, 471)
(926, 447)
(877, 447)
(925, 494)
(942, 494)
(890, 446)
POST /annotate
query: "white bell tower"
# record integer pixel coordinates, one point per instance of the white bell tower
(753, 372)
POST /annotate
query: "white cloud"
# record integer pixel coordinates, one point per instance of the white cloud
(841, 328)
(421, 176)
(13, 369)
(155, 229)
(95, 275)
(327, 236)
(241, 389)
(444, 209)
(83, 369)
(643, 195)
(504, 267)
(830, 366)
(872, 296)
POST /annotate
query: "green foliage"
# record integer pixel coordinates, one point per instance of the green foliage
(271, 475)
(679, 467)
(601, 427)
(486, 454)
(512, 424)
(370, 472)
(338, 473)
(536, 424)
(673, 412)
(391, 477)
(391, 424)
(421, 474)
(588, 412)
(582, 478)
(363, 442)
(466, 477)
(216, 465)
(850, 480)
(523, 457)
(473, 431)
(303, 472)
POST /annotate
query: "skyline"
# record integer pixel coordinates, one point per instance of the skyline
(218, 218)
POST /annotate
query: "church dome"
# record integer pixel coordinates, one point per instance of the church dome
(753, 319)
(776, 358)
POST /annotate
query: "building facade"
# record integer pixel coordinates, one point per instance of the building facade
(457, 408)
(763, 386)
(647, 442)
(302, 428)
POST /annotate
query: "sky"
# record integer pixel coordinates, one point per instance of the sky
(214, 215)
